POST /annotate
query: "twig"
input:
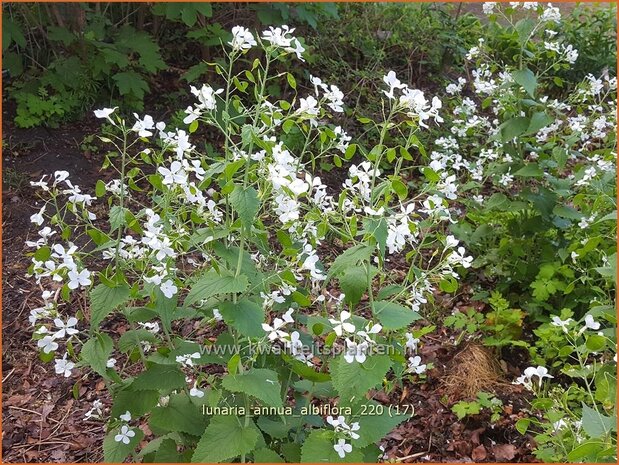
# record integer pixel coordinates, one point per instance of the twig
(412, 456)
(8, 376)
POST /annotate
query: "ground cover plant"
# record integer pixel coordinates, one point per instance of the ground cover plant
(293, 290)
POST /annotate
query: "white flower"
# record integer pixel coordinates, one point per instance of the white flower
(60, 176)
(126, 416)
(355, 351)
(111, 363)
(457, 257)
(278, 37)
(488, 7)
(563, 324)
(125, 435)
(590, 323)
(393, 82)
(195, 392)
(79, 279)
(47, 344)
(342, 448)
(143, 126)
(370, 211)
(41, 183)
(37, 218)
(105, 113)
(411, 342)
(336, 422)
(551, 13)
(308, 106)
(340, 325)
(415, 365)
(206, 96)
(65, 328)
(187, 359)
(351, 430)
(451, 242)
(192, 114)
(174, 175)
(370, 328)
(525, 381)
(242, 39)
(168, 288)
(540, 371)
(275, 331)
(64, 366)
(217, 314)
(288, 316)
(335, 98)
(96, 410)
(298, 49)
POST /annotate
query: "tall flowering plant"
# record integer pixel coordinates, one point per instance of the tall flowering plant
(537, 157)
(241, 325)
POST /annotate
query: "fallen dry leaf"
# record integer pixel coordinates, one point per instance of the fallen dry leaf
(479, 453)
(504, 452)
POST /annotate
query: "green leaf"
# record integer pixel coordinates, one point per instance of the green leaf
(495, 201)
(375, 427)
(448, 284)
(526, 79)
(212, 284)
(565, 211)
(306, 372)
(225, 438)
(354, 282)
(96, 352)
(117, 217)
(11, 33)
(160, 377)
(131, 83)
(291, 81)
(595, 424)
(351, 257)
(245, 316)
(530, 170)
(246, 204)
(595, 343)
(589, 450)
(165, 308)
(513, 128)
(355, 379)
(350, 151)
(138, 404)
(539, 120)
(104, 300)
(392, 315)
(318, 448)
(377, 230)
(257, 382)
(142, 43)
(267, 456)
(522, 425)
(180, 415)
(132, 339)
(117, 452)
(167, 452)
(100, 188)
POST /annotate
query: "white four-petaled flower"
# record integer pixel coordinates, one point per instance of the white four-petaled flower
(342, 448)
(125, 435)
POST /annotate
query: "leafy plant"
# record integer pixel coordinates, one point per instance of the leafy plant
(484, 401)
(230, 239)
